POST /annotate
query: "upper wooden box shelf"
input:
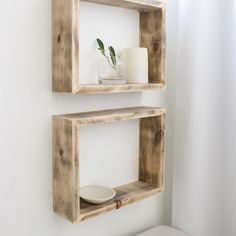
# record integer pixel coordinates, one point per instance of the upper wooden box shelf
(65, 45)
(66, 163)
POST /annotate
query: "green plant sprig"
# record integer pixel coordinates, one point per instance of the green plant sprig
(112, 53)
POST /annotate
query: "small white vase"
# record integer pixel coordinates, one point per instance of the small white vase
(136, 63)
(111, 75)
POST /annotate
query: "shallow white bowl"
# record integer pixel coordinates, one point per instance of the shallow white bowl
(96, 194)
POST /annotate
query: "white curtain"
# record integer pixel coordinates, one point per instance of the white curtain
(204, 192)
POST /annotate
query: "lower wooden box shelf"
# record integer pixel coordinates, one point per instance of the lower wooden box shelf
(66, 198)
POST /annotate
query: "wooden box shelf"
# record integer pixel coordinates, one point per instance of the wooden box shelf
(66, 198)
(65, 45)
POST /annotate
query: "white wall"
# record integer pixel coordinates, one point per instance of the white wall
(204, 165)
(27, 105)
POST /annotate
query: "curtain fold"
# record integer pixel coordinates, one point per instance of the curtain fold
(204, 185)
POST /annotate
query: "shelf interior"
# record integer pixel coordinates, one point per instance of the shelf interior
(125, 194)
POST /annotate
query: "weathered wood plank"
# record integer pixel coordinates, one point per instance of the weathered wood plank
(65, 169)
(89, 118)
(152, 37)
(126, 194)
(151, 150)
(91, 89)
(139, 5)
(65, 45)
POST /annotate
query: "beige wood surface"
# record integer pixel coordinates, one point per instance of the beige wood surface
(104, 116)
(66, 200)
(139, 5)
(65, 169)
(125, 194)
(152, 37)
(151, 150)
(65, 45)
(91, 89)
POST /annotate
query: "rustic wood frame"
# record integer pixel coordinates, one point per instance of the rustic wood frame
(66, 199)
(65, 45)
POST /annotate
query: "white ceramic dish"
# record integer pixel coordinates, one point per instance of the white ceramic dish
(96, 194)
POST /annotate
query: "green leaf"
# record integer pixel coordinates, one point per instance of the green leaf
(101, 46)
(112, 55)
(112, 51)
(113, 59)
(100, 43)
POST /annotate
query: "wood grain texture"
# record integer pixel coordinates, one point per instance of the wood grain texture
(92, 89)
(151, 150)
(125, 194)
(139, 5)
(152, 37)
(65, 169)
(65, 45)
(104, 116)
(66, 160)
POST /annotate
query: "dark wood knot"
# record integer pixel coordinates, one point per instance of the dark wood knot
(155, 46)
(59, 38)
(159, 136)
(59, 34)
(65, 162)
(118, 204)
(61, 152)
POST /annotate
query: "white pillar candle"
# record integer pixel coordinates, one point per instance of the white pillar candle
(136, 62)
